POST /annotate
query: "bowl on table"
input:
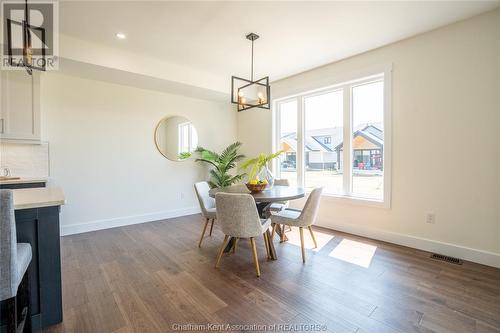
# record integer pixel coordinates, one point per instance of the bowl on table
(256, 188)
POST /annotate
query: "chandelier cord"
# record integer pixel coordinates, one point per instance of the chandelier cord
(26, 13)
(27, 23)
(251, 68)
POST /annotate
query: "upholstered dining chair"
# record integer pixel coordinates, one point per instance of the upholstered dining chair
(301, 218)
(207, 206)
(279, 206)
(238, 218)
(14, 261)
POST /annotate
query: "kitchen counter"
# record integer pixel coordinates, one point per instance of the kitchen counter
(38, 197)
(24, 180)
(37, 213)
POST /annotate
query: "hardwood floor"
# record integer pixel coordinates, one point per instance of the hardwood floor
(151, 277)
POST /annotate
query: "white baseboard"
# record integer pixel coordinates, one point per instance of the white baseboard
(458, 251)
(125, 220)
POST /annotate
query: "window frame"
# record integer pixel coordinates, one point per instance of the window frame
(376, 73)
(182, 128)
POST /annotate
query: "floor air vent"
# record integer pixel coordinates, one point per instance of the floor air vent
(441, 257)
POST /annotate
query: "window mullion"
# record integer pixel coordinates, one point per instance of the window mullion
(277, 139)
(300, 142)
(347, 135)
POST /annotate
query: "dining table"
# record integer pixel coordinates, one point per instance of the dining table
(271, 194)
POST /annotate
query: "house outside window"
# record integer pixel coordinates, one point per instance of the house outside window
(338, 138)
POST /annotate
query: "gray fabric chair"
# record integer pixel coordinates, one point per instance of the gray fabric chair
(207, 206)
(301, 218)
(14, 261)
(279, 206)
(238, 217)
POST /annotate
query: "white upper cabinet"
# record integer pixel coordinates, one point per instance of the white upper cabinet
(20, 106)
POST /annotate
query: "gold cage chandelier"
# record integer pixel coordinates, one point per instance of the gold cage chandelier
(251, 93)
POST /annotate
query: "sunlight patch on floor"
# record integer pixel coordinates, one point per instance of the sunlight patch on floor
(321, 238)
(353, 252)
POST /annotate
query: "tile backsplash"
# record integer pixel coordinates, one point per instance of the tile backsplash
(25, 160)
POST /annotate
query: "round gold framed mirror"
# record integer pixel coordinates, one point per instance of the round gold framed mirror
(176, 138)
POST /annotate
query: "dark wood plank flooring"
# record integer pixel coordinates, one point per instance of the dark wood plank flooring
(151, 277)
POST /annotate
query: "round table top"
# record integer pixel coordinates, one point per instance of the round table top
(270, 194)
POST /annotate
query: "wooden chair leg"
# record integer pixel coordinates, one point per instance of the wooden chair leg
(212, 227)
(203, 233)
(273, 231)
(221, 250)
(266, 243)
(312, 236)
(282, 236)
(302, 244)
(235, 244)
(255, 258)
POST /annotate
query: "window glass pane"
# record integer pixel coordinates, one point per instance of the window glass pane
(368, 140)
(288, 141)
(194, 138)
(183, 130)
(323, 142)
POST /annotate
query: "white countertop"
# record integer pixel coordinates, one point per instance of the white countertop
(38, 197)
(24, 180)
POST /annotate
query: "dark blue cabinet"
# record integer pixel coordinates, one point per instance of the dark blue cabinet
(40, 228)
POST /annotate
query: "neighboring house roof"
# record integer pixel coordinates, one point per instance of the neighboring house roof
(318, 135)
(291, 140)
(314, 140)
(370, 132)
(375, 129)
(313, 144)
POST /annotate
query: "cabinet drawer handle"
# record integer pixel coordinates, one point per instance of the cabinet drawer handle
(2, 128)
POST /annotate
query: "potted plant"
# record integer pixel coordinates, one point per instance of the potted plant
(222, 163)
(260, 175)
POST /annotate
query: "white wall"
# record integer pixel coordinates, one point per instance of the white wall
(446, 140)
(103, 153)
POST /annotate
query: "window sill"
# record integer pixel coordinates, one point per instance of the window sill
(361, 201)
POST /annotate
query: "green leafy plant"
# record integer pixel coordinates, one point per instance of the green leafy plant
(184, 155)
(222, 163)
(257, 163)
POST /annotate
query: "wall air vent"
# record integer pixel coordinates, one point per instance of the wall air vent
(452, 260)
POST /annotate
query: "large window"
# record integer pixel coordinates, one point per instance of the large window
(368, 140)
(287, 129)
(323, 118)
(338, 138)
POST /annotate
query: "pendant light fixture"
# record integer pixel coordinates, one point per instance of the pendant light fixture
(251, 93)
(27, 60)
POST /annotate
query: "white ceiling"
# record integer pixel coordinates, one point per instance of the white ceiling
(295, 36)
